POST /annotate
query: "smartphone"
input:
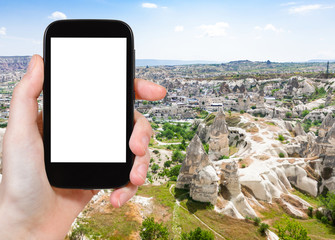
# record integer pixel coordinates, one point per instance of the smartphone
(88, 103)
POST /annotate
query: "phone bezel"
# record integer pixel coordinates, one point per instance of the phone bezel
(87, 175)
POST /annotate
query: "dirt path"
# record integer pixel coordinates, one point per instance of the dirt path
(178, 203)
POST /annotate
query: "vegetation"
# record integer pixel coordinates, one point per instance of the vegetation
(178, 156)
(176, 132)
(288, 114)
(150, 230)
(263, 227)
(206, 147)
(304, 113)
(292, 230)
(105, 225)
(224, 157)
(318, 93)
(281, 155)
(154, 167)
(198, 234)
(307, 124)
(174, 172)
(281, 138)
(328, 202)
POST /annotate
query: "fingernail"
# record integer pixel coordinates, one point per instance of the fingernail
(118, 203)
(142, 170)
(31, 64)
(123, 199)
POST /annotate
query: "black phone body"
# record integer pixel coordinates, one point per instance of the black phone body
(88, 103)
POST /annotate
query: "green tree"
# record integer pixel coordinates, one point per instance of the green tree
(304, 113)
(150, 230)
(174, 172)
(167, 164)
(197, 234)
(177, 156)
(328, 202)
(293, 230)
(154, 167)
(288, 114)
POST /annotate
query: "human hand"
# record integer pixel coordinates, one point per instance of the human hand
(30, 207)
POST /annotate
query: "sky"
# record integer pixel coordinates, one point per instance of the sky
(212, 30)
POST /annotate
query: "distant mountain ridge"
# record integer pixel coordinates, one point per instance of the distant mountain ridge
(160, 62)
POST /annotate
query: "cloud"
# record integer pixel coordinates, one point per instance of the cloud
(57, 16)
(149, 5)
(3, 31)
(307, 8)
(288, 4)
(179, 28)
(269, 27)
(216, 30)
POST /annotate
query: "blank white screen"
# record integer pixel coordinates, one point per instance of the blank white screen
(88, 100)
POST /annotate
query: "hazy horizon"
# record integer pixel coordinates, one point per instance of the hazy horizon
(279, 31)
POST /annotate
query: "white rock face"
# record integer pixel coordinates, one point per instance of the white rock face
(230, 210)
(298, 176)
(204, 186)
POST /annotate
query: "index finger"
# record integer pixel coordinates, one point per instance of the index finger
(146, 90)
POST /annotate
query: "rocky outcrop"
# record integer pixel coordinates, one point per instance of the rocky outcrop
(204, 186)
(203, 132)
(326, 125)
(230, 188)
(218, 133)
(196, 158)
(298, 130)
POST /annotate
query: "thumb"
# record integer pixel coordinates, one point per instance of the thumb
(24, 107)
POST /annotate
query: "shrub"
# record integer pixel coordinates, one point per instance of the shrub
(288, 114)
(281, 138)
(243, 165)
(174, 172)
(242, 112)
(310, 212)
(329, 203)
(262, 228)
(206, 147)
(304, 113)
(224, 157)
(154, 167)
(177, 156)
(167, 164)
(324, 220)
(257, 221)
(150, 230)
(281, 155)
(293, 230)
(197, 234)
(318, 214)
(155, 151)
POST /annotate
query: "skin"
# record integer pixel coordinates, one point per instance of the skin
(32, 209)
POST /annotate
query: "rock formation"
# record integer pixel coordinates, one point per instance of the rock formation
(198, 174)
(230, 188)
(299, 131)
(196, 158)
(218, 133)
(326, 125)
(204, 186)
